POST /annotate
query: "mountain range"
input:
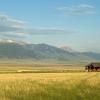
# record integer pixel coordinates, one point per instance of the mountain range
(14, 50)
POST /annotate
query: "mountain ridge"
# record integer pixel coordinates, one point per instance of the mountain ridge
(15, 50)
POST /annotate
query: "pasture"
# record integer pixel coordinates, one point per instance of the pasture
(48, 82)
(50, 86)
(29, 66)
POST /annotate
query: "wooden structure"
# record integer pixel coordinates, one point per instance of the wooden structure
(93, 67)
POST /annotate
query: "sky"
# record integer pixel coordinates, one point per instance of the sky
(72, 23)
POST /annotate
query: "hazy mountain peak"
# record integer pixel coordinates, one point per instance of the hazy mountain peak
(11, 49)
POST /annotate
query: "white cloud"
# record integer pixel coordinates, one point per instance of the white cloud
(52, 31)
(82, 9)
(14, 35)
(16, 29)
(7, 22)
(10, 27)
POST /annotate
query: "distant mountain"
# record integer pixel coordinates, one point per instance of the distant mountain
(14, 50)
(92, 55)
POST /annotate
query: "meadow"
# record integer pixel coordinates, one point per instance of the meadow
(31, 66)
(50, 86)
(23, 81)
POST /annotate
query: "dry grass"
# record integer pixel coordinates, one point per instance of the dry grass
(39, 68)
(50, 86)
(48, 82)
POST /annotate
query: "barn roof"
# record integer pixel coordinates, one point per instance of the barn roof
(94, 64)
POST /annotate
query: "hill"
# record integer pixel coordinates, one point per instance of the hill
(14, 50)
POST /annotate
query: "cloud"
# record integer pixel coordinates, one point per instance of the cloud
(9, 24)
(10, 27)
(52, 31)
(12, 35)
(82, 9)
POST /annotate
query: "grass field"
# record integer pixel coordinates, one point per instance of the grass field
(39, 81)
(36, 67)
(50, 86)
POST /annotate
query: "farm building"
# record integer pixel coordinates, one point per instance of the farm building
(93, 67)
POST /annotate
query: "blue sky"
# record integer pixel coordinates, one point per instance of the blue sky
(73, 23)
